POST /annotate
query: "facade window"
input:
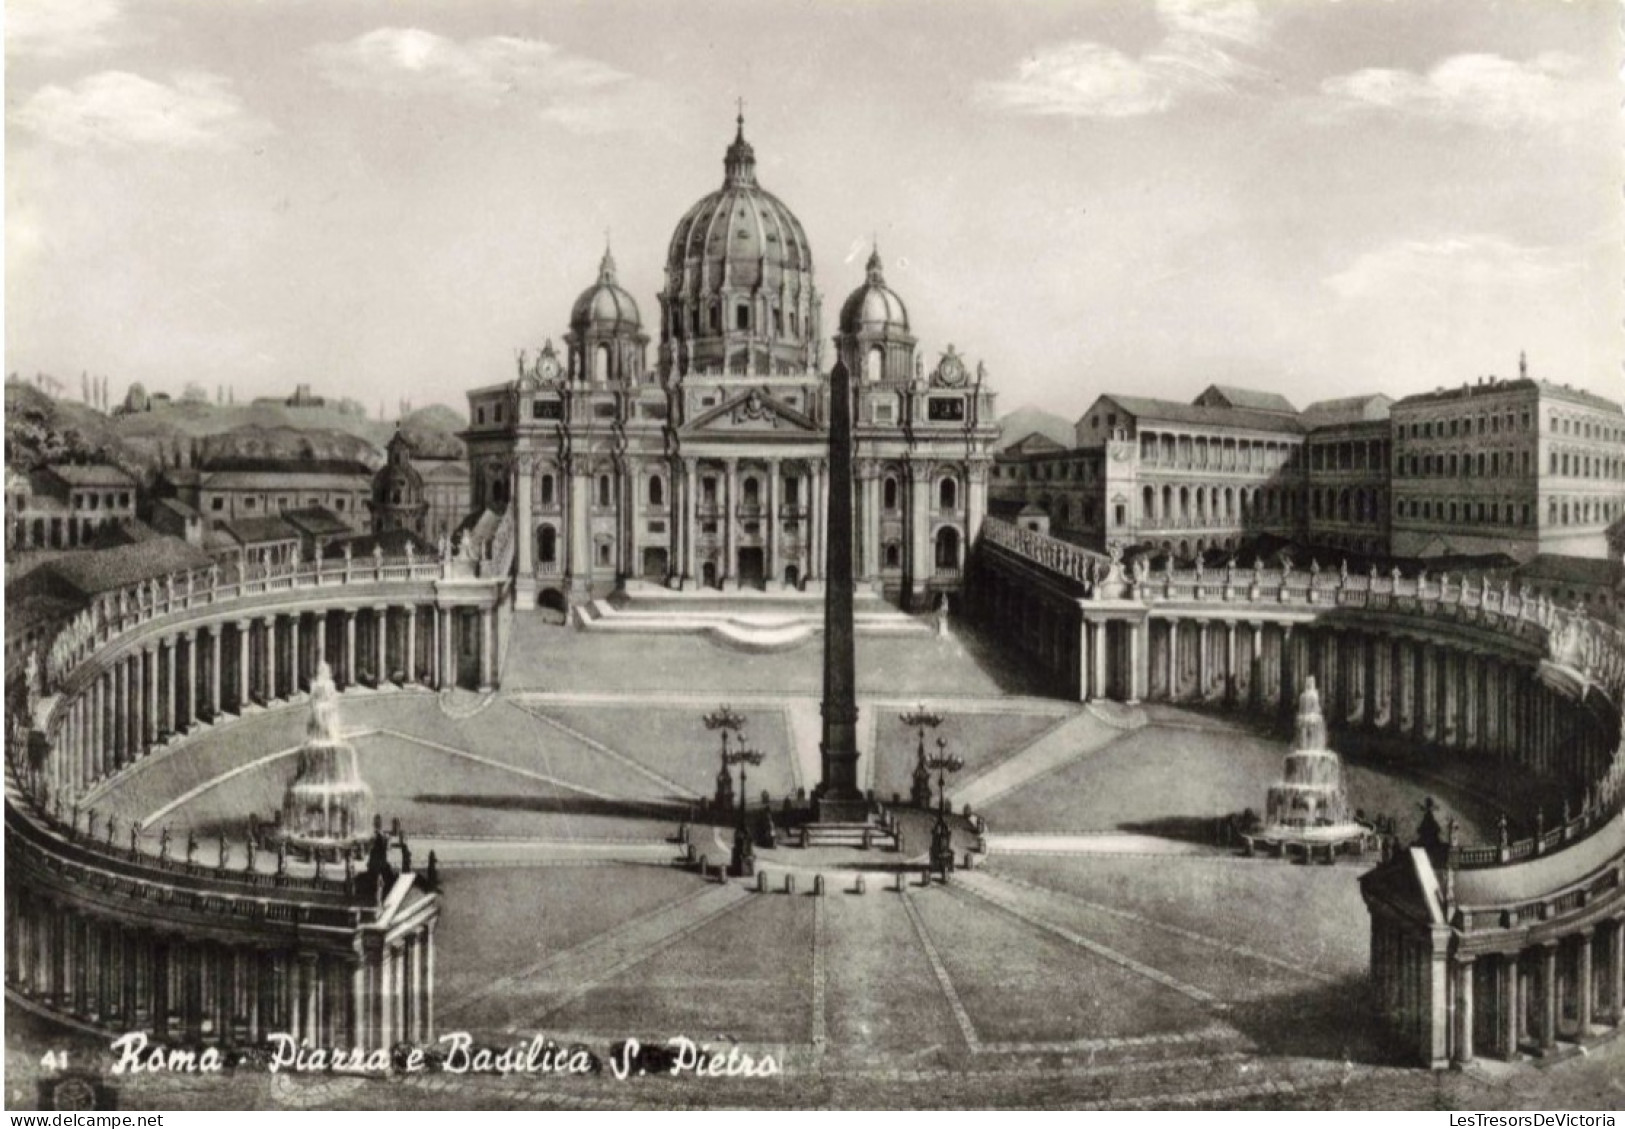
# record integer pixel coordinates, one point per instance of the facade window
(889, 495)
(894, 555)
(547, 489)
(603, 553)
(947, 548)
(708, 490)
(603, 491)
(742, 318)
(792, 491)
(657, 491)
(753, 491)
(338, 504)
(948, 494)
(547, 545)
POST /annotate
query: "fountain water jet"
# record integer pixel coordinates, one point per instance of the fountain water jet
(327, 808)
(1309, 807)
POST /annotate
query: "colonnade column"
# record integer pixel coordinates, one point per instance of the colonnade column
(1548, 995)
(380, 629)
(269, 625)
(730, 506)
(347, 658)
(773, 525)
(818, 515)
(242, 664)
(173, 702)
(1173, 659)
(1511, 1028)
(296, 654)
(411, 650)
(1230, 662)
(1097, 659)
(1585, 988)
(690, 532)
(1464, 1009)
(1201, 661)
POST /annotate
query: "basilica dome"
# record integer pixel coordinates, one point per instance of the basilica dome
(604, 307)
(739, 294)
(874, 306)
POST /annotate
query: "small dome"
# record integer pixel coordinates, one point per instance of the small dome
(874, 306)
(604, 307)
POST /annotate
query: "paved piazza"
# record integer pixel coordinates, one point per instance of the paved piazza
(1103, 953)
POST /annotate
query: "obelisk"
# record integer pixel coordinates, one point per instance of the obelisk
(839, 800)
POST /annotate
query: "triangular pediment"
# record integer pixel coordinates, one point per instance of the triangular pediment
(752, 411)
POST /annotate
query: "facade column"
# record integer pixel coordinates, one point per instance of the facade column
(579, 519)
(447, 649)
(817, 515)
(773, 526)
(216, 646)
(173, 701)
(524, 526)
(730, 507)
(1427, 719)
(873, 557)
(1616, 972)
(691, 530)
(487, 644)
(123, 701)
(321, 641)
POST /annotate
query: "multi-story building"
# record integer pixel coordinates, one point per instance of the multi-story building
(257, 488)
(1500, 467)
(709, 469)
(64, 505)
(1518, 466)
(1348, 452)
(1185, 478)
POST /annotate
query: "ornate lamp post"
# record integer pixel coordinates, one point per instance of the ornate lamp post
(920, 719)
(744, 854)
(942, 840)
(725, 720)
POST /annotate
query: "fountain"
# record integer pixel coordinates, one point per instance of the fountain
(327, 809)
(1309, 807)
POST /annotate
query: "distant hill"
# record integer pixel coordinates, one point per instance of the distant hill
(1025, 420)
(40, 429)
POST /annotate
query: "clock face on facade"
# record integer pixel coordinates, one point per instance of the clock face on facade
(951, 371)
(548, 367)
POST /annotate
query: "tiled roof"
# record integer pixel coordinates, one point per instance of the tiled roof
(1170, 411)
(1522, 384)
(1559, 568)
(1249, 398)
(95, 474)
(100, 570)
(175, 505)
(271, 465)
(316, 521)
(1349, 409)
(261, 530)
(285, 480)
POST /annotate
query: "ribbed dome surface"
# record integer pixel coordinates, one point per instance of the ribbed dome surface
(874, 305)
(604, 307)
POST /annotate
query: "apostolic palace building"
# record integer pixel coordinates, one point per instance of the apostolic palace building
(707, 467)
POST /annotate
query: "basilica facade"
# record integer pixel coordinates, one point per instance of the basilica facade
(708, 468)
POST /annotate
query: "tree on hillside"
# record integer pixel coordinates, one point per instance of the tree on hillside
(194, 393)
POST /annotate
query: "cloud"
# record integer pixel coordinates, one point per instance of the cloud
(1197, 54)
(119, 110)
(1415, 269)
(1475, 89)
(487, 71)
(54, 28)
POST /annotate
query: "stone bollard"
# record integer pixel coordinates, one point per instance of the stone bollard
(867, 840)
(860, 887)
(690, 854)
(925, 876)
(705, 866)
(981, 844)
(682, 832)
(900, 881)
(761, 881)
(789, 883)
(818, 886)
(969, 856)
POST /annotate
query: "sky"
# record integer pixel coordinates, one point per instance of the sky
(388, 199)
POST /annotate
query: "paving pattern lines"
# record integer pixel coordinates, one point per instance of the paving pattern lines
(675, 789)
(1079, 736)
(1282, 965)
(545, 987)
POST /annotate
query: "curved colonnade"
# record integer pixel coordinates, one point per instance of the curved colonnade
(1531, 926)
(114, 928)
